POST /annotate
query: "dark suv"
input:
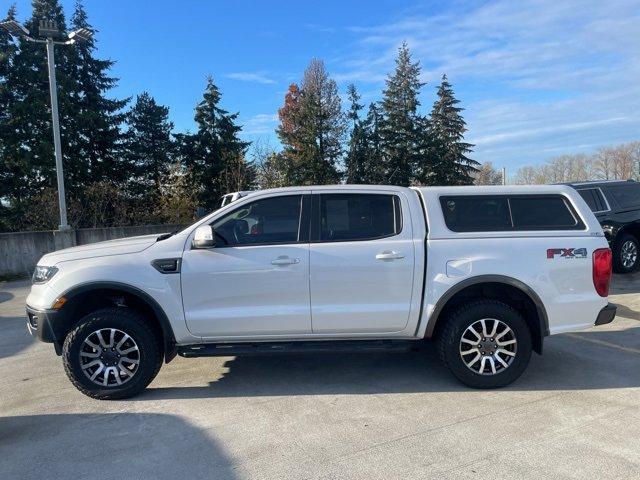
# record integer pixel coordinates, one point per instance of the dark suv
(616, 204)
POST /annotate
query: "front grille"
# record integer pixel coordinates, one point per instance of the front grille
(33, 320)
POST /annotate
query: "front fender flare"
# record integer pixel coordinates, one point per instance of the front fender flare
(168, 336)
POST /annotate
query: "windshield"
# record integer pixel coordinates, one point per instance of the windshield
(164, 236)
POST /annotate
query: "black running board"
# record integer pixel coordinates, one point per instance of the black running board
(302, 346)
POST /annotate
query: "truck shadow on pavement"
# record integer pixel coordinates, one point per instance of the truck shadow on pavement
(15, 337)
(584, 361)
(109, 446)
(6, 296)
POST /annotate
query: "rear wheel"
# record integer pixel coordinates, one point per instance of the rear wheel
(626, 254)
(485, 344)
(111, 354)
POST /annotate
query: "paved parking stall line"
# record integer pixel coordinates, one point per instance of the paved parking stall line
(604, 344)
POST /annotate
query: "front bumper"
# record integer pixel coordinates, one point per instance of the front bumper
(42, 325)
(606, 315)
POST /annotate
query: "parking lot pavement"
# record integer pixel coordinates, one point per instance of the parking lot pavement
(574, 414)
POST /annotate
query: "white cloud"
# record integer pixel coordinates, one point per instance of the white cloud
(535, 76)
(256, 77)
(260, 124)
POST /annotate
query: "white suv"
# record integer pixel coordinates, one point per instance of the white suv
(488, 272)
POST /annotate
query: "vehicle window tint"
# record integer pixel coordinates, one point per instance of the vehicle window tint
(358, 216)
(541, 213)
(487, 213)
(594, 199)
(602, 203)
(589, 197)
(269, 221)
(476, 213)
(626, 195)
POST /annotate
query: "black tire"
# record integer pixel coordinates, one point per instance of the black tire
(449, 341)
(620, 245)
(134, 325)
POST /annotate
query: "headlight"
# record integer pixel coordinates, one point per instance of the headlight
(43, 274)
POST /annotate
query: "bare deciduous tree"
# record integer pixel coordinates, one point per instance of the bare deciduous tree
(487, 175)
(620, 162)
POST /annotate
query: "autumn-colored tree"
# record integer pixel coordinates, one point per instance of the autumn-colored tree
(312, 128)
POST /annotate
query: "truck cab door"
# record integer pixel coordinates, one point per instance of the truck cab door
(255, 280)
(362, 263)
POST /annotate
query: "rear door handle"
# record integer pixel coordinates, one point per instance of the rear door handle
(389, 255)
(284, 260)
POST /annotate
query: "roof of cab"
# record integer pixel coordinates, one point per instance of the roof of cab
(331, 187)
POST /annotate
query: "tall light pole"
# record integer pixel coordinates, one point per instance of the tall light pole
(49, 34)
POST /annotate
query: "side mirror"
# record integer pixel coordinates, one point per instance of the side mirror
(204, 237)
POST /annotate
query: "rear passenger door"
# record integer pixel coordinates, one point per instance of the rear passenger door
(361, 263)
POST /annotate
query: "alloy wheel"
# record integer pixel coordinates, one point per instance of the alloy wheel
(109, 357)
(629, 254)
(488, 346)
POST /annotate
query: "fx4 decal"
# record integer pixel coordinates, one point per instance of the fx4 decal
(566, 253)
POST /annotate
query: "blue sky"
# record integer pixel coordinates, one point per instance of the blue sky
(538, 78)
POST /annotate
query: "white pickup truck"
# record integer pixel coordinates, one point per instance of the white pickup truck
(486, 272)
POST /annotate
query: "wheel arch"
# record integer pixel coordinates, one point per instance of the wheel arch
(86, 297)
(632, 229)
(501, 287)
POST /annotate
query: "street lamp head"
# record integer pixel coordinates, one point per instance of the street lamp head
(14, 28)
(48, 29)
(81, 35)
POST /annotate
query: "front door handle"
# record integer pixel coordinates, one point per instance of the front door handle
(389, 255)
(284, 260)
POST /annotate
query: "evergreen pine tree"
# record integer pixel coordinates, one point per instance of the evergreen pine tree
(374, 171)
(356, 159)
(400, 130)
(447, 151)
(89, 123)
(95, 144)
(27, 145)
(149, 144)
(219, 165)
(312, 128)
(9, 171)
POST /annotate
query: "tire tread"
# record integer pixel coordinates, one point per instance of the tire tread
(94, 318)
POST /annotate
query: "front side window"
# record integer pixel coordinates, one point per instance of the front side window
(272, 220)
(345, 217)
(627, 196)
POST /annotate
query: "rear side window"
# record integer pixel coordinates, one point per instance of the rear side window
(551, 213)
(348, 217)
(476, 213)
(627, 196)
(594, 199)
(486, 213)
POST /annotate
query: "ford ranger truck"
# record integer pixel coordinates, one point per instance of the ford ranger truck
(485, 272)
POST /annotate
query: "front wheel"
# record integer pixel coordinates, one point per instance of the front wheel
(485, 344)
(111, 354)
